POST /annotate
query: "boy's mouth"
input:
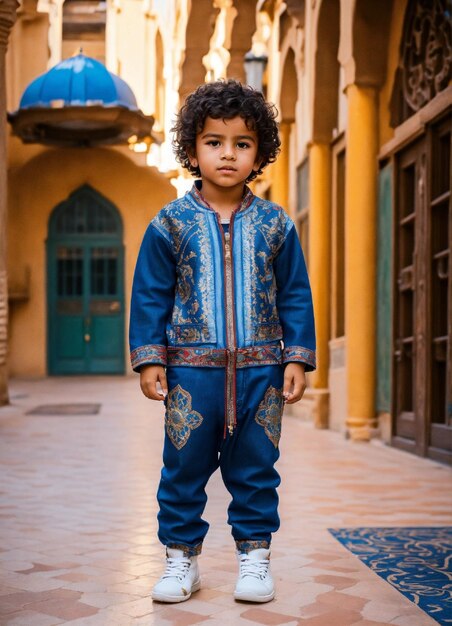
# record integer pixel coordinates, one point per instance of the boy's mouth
(226, 168)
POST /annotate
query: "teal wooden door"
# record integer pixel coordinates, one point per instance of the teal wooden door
(384, 286)
(85, 261)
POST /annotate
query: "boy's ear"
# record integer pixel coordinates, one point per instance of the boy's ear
(257, 163)
(192, 158)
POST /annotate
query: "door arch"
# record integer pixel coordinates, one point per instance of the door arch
(85, 286)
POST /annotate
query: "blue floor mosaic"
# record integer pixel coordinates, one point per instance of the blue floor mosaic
(416, 561)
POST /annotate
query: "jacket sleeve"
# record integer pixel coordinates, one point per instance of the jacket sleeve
(294, 302)
(152, 300)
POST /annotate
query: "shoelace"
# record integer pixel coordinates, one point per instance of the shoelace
(257, 569)
(177, 568)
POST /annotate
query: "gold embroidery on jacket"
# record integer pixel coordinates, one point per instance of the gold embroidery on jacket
(264, 231)
(194, 296)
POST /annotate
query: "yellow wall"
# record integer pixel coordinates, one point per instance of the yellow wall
(26, 56)
(34, 191)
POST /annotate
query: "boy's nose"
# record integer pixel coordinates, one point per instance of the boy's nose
(228, 152)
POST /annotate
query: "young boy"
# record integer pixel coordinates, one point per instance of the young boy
(220, 282)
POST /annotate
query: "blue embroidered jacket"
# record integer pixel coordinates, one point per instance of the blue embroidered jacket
(205, 297)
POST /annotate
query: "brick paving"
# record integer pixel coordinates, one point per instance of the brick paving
(78, 519)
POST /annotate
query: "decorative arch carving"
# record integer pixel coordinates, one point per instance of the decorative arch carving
(425, 59)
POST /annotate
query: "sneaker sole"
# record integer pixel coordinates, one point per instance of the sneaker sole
(249, 597)
(160, 597)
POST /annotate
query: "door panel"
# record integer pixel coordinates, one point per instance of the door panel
(407, 210)
(67, 283)
(105, 308)
(422, 355)
(106, 341)
(70, 344)
(439, 329)
(85, 287)
(88, 315)
(384, 289)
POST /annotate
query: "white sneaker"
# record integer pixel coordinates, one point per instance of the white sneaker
(255, 582)
(180, 580)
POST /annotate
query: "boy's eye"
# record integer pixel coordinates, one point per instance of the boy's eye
(213, 142)
(243, 144)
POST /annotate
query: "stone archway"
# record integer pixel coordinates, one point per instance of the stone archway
(370, 34)
(289, 88)
(199, 30)
(326, 72)
(288, 96)
(365, 28)
(243, 30)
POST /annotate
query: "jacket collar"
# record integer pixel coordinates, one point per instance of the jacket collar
(199, 199)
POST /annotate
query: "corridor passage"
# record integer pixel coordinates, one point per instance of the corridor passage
(78, 538)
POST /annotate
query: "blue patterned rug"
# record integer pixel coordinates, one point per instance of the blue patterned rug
(416, 561)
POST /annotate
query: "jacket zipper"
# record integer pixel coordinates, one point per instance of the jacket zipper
(231, 352)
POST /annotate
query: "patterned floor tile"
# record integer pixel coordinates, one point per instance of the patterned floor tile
(78, 541)
(415, 561)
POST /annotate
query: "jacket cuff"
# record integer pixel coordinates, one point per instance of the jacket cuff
(298, 354)
(153, 354)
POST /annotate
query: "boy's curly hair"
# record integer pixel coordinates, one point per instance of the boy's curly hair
(225, 99)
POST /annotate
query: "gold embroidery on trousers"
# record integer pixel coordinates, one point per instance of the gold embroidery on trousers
(269, 414)
(180, 418)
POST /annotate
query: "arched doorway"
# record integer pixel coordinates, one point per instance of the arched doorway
(85, 286)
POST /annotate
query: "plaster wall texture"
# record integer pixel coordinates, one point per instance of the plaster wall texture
(34, 191)
(26, 56)
(93, 49)
(131, 49)
(338, 399)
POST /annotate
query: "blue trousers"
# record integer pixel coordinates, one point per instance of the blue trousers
(196, 444)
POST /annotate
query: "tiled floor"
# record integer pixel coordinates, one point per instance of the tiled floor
(78, 530)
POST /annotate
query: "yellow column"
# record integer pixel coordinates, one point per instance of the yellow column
(360, 258)
(319, 271)
(280, 169)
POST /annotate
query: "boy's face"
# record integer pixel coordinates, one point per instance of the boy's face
(226, 152)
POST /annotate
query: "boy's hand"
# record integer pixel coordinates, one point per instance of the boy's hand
(149, 376)
(294, 382)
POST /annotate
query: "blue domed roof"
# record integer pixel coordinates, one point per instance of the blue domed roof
(78, 81)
